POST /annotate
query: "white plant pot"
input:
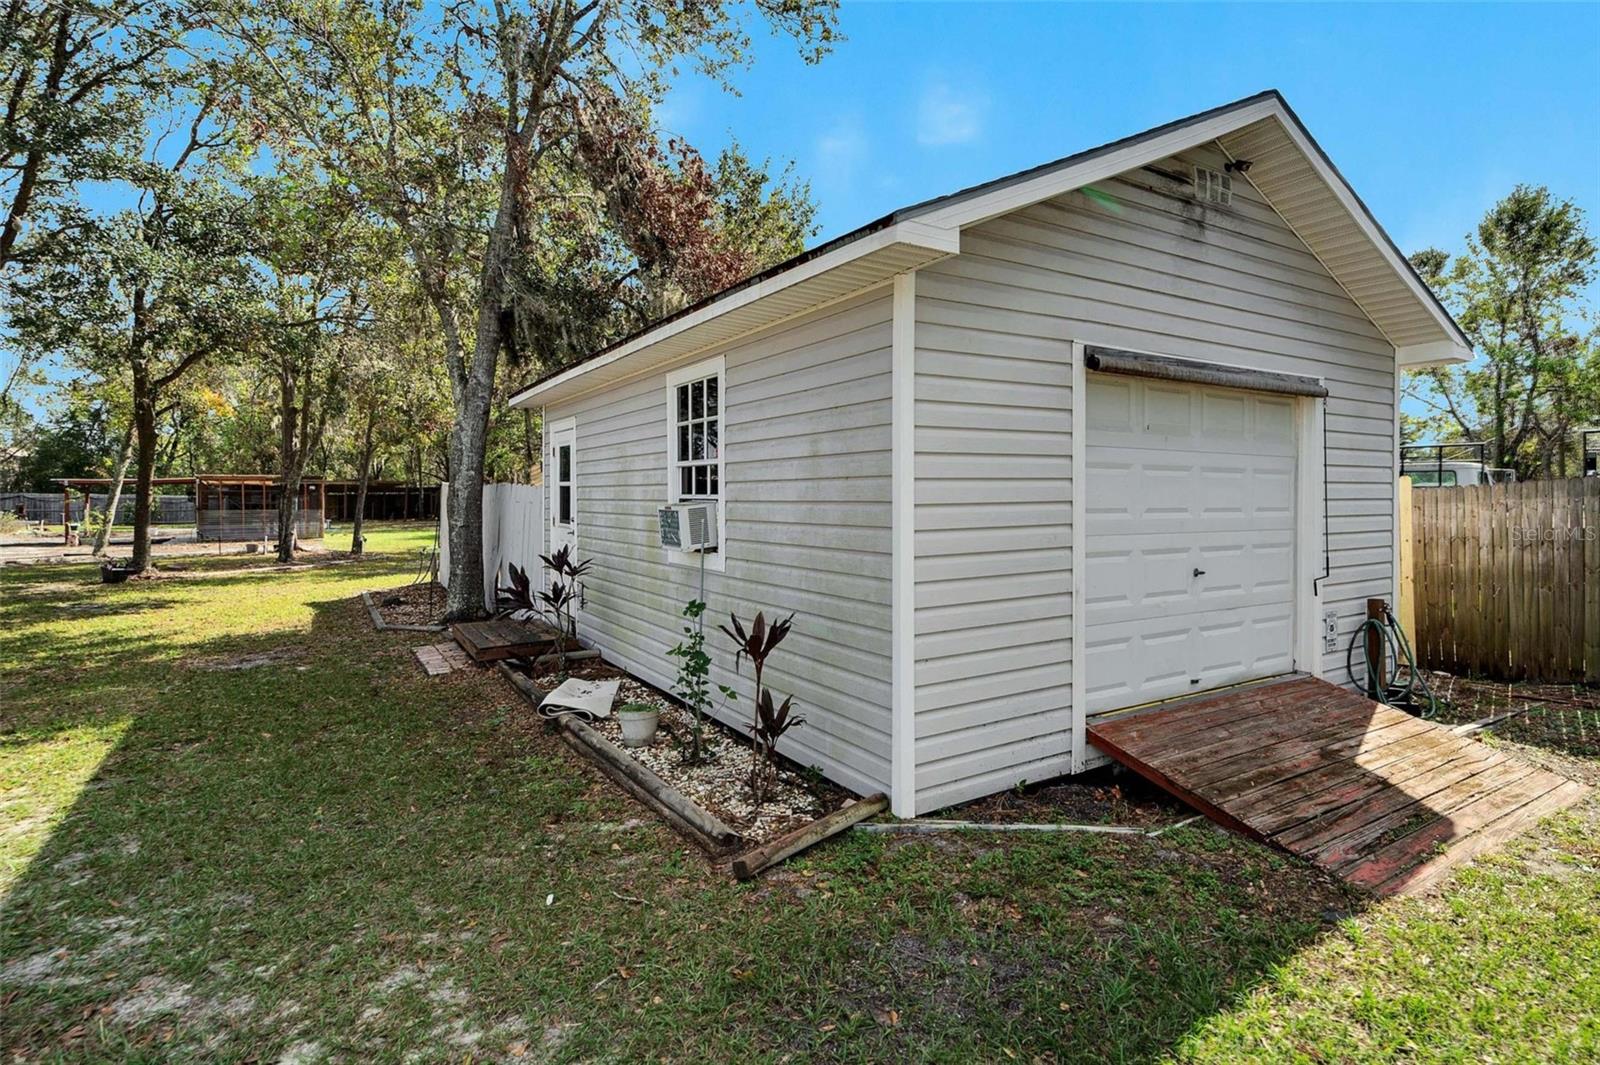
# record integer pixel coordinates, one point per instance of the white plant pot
(638, 729)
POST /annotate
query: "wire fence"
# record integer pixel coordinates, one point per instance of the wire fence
(47, 507)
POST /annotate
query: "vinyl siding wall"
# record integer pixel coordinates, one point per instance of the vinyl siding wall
(1137, 263)
(806, 468)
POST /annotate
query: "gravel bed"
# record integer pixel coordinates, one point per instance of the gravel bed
(411, 604)
(722, 783)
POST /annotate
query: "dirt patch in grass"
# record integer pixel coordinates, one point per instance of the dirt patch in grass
(411, 604)
(1554, 726)
(277, 656)
(1105, 796)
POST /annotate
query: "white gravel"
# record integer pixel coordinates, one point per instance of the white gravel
(722, 783)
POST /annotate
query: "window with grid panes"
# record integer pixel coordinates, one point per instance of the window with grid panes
(696, 431)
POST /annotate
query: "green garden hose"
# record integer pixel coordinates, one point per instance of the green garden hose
(1411, 693)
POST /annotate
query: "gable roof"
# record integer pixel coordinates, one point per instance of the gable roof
(1287, 167)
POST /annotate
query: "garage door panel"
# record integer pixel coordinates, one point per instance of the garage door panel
(1123, 660)
(1135, 490)
(1133, 581)
(1133, 661)
(1190, 516)
(1218, 421)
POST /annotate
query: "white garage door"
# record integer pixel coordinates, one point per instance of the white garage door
(1190, 509)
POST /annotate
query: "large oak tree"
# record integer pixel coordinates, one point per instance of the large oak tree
(512, 146)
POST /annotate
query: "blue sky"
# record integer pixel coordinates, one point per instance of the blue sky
(1432, 111)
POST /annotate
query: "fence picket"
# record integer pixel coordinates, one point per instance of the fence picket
(1507, 580)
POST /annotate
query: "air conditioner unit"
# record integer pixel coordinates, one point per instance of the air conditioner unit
(689, 526)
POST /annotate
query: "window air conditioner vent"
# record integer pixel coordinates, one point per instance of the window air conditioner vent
(689, 526)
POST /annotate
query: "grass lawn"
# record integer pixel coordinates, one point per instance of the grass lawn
(386, 537)
(236, 824)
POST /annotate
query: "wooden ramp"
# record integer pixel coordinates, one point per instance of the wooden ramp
(498, 638)
(1384, 800)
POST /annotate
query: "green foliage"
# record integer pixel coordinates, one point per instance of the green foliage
(1519, 293)
(352, 822)
(73, 443)
(692, 683)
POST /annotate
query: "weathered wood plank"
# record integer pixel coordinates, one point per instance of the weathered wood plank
(1171, 723)
(1406, 814)
(1392, 860)
(1270, 773)
(767, 855)
(1342, 834)
(1507, 579)
(1403, 762)
(1423, 875)
(1370, 789)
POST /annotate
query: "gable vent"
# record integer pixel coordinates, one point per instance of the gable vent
(1213, 186)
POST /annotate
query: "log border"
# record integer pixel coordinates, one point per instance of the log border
(384, 626)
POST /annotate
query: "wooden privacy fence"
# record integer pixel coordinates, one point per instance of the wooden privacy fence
(1505, 579)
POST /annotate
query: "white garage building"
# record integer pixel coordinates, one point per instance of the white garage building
(1117, 429)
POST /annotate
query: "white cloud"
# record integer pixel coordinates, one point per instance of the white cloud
(840, 150)
(945, 116)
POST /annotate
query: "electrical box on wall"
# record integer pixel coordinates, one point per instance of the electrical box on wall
(1330, 631)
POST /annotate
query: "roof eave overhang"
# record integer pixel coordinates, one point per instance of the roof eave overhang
(1434, 353)
(855, 266)
(1287, 167)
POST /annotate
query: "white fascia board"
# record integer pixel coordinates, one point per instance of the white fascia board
(982, 207)
(1433, 353)
(1364, 221)
(916, 233)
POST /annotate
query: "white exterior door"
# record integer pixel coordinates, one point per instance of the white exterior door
(1191, 527)
(561, 477)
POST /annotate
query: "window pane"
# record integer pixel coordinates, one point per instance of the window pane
(683, 443)
(683, 403)
(700, 485)
(711, 397)
(697, 400)
(564, 513)
(564, 465)
(713, 470)
(697, 448)
(686, 481)
(711, 439)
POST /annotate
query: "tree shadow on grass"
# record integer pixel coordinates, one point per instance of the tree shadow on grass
(331, 854)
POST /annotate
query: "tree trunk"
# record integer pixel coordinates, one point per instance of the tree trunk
(473, 389)
(530, 450)
(363, 475)
(289, 490)
(466, 443)
(144, 429)
(114, 495)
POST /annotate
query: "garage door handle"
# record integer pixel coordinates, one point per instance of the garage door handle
(1199, 573)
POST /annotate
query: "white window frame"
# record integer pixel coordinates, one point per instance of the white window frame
(712, 367)
(552, 477)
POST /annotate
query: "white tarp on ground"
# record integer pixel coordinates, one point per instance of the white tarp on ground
(588, 699)
(513, 532)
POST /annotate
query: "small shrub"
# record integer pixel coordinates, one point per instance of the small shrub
(692, 684)
(769, 722)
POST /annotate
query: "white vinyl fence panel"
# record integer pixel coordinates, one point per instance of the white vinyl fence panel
(513, 533)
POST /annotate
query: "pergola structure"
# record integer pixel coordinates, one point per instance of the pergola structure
(227, 506)
(386, 500)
